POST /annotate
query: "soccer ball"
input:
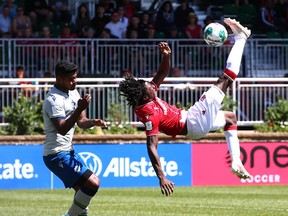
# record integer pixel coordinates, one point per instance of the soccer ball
(215, 34)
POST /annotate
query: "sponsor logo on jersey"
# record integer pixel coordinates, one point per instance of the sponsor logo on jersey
(148, 125)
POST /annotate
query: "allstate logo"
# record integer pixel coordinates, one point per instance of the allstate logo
(92, 161)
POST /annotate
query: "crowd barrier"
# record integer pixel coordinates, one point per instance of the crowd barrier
(252, 96)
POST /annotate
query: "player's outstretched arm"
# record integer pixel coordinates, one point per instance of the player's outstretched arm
(86, 123)
(83, 122)
(165, 63)
(167, 186)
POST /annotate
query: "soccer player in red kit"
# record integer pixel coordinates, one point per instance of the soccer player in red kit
(204, 116)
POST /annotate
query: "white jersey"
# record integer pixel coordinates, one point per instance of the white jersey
(58, 104)
(117, 29)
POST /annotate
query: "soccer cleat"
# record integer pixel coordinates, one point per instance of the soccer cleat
(239, 170)
(237, 28)
(85, 212)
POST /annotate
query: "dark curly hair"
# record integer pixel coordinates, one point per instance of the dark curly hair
(64, 67)
(133, 89)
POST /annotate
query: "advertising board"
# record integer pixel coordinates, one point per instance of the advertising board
(125, 165)
(266, 162)
(128, 165)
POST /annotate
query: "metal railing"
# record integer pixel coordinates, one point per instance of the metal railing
(252, 95)
(107, 58)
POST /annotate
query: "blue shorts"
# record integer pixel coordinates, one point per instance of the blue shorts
(69, 167)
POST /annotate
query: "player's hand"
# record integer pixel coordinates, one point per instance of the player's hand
(167, 187)
(164, 48)
(84, 102)
(99, 122)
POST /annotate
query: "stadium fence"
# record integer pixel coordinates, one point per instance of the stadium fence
(251, 95)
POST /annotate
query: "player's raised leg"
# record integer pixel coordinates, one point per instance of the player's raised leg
(216, 93)
(234, 59)
(232, 69)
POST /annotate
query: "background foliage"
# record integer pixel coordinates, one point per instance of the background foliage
(24, 117)
(275, 117)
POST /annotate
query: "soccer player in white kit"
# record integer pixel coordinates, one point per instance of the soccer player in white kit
(204, 116)
(62, 109)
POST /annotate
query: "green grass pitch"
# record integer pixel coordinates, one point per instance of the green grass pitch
(209, 201)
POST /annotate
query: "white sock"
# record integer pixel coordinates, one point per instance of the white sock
(80, 203)
(235, 56)
(232, 140)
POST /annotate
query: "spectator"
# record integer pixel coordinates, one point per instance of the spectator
(69, 47)
(164, 18)
(116, 27)
(26, 49)
(144, 22)
(208, 20)
(267, 16)
(39, 11)
(281, 10)
(89, 56)
(135, 54)
(83, 20)
(12, 8)
(5, 22)
(26, 34)
(100, 20)
(134, 26)
(60, 9)
(174, 33)
(193, 29)
(20, 74)
(20, 23)
(151, 52)
(54, 30)
(109, 7)
(181, 13)
(129, 9)
(107, 55)
(106, 33)
(150, 31)
(47, 50)
(124, 20)
(180, 85)
(125, 72)
(176, 72)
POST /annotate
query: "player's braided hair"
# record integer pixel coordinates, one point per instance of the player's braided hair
(132, 89)
(64, 67)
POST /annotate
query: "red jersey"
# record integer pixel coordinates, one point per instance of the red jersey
(158, 115)
(194, 32)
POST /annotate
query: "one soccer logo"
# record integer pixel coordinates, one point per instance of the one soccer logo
(92, 161)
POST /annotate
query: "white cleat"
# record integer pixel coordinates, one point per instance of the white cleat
(237, 28)
(239, 170)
